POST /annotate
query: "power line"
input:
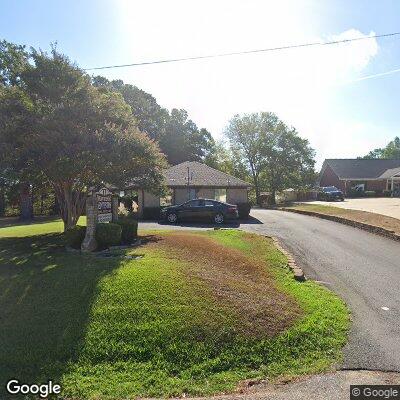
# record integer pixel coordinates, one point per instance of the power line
(295, 46)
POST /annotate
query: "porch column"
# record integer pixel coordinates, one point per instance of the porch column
(392, 186)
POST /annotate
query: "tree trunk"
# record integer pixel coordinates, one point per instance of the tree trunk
(25, 202)
(273, 197)
(71, 203)
(256, 184)
(2, 203)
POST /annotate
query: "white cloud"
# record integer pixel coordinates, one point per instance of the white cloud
(299, 84)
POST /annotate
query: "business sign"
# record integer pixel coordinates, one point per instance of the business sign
(104, 205)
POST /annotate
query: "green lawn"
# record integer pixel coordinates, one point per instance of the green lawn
(11, 227)
(115, 328)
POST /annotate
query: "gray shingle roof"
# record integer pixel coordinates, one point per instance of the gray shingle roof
(200, 175)
(390, 172)
(360, 168)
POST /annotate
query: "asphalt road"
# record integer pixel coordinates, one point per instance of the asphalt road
(363, 268)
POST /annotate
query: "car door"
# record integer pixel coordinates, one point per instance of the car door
(192, 209)
(209, 209)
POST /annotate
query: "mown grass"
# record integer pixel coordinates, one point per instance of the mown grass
(112, 328)
(11, 227)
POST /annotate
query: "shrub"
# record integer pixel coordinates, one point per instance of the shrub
(74, 236)
(151, 212)
(387, 193)
(108, 234)
(355, 193)
(369, 193)
(129, 229)
(244, 210)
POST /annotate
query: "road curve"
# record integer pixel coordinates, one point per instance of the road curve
(363, 268)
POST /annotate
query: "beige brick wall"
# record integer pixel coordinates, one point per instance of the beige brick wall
(181, 195)
(233, 195)
(236, 195)
(151, 200)
(146, 199)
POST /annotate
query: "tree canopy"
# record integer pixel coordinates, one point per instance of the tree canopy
(391, 151)
(178, 136)
(275, 155)
(57, 124)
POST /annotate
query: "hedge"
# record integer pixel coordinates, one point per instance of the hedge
(74, 236)
(129, 229)
(108, 234)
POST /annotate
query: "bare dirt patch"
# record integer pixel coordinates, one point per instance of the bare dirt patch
(237, 281)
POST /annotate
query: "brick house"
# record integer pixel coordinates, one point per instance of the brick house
(191, 180)
(367, 175)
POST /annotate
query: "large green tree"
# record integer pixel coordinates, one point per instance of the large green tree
(275, 155)
(14, 59)
(183, 140)
(178, 136)
(391, 151)
(150, 116)
(60, 126)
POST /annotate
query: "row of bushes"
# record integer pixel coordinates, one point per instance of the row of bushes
(369, 193)
(124, 231)
(153, 213)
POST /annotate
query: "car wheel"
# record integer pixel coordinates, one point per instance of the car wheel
(172, 218)
(218, 218)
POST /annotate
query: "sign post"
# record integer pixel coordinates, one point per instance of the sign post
(101, 207)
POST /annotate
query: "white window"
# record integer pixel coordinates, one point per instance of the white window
(220, 195)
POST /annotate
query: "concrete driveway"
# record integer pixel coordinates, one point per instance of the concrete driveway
(363, 268)
(382, 205)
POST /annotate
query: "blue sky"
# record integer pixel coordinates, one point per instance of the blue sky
(316, 90)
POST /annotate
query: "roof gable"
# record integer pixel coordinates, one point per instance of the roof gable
(200, 175)
(360, 168)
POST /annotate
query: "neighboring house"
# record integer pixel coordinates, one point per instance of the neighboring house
(190, 180)
(362, 174)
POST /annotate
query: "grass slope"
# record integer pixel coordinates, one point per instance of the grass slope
(113, 328)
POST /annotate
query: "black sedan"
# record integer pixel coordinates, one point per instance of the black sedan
(200, 210)
(330, 193)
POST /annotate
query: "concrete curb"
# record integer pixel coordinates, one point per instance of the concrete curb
(361, 225)
(298, 273)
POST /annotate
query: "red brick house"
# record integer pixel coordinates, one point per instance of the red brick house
(346, 174)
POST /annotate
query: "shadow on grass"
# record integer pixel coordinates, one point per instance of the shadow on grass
(45, 299)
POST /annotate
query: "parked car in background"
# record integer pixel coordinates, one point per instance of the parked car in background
(200, 210)
(330, 193)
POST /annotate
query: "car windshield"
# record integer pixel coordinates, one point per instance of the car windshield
(331, 189)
